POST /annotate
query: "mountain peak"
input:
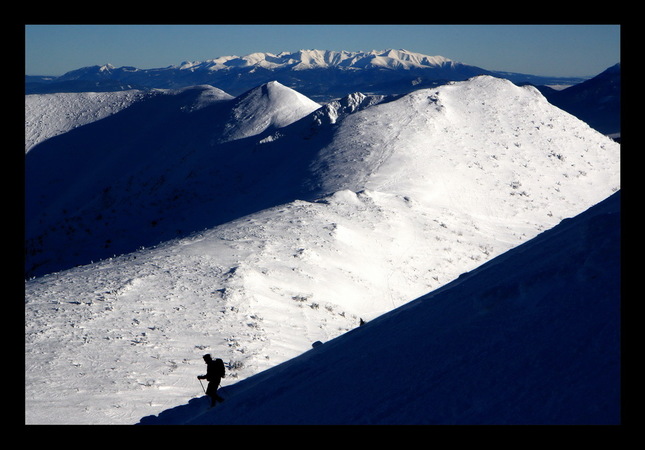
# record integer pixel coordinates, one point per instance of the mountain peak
(313, 58)
(275, 92)
(412, 59)
(270, 105)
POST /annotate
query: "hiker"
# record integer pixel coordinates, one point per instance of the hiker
(214, 374)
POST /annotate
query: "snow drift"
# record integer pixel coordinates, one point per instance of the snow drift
(256, 247)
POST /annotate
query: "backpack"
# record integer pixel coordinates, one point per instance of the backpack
(219, 365)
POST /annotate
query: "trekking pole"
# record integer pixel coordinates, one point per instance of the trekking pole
(200, 382)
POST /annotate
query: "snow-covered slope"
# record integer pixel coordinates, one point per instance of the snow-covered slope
(150, 173)
(316, 59)
(532, 337)
(595, 101)
(347, 213)
(268, 106)
(486, 138)
(49, 115)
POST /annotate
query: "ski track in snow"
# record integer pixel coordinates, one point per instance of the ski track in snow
(122, 338)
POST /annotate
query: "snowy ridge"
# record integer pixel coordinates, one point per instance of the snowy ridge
(310, 59)
(107, 163)
(49, 115)
(298, 231)
(482, 138)
(530, 338)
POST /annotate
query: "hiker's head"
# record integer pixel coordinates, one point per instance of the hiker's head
(207, 358)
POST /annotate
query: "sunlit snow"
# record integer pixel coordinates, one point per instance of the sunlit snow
(252, 227)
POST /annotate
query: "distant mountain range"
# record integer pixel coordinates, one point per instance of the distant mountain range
(321, 75)
(324, 75)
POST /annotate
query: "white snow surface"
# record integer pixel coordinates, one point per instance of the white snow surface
(48, 115)
(530, 338)
(310, 59)
(270, 105)
(401, 198)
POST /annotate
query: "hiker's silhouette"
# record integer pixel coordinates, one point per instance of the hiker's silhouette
(214, 374)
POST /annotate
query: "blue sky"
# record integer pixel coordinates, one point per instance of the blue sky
(554, 50)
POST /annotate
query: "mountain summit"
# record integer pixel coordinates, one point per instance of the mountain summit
(271, 105)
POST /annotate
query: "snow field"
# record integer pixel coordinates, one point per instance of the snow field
(404, 196)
